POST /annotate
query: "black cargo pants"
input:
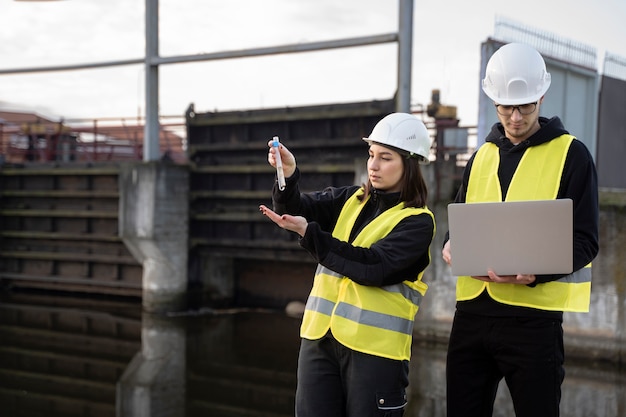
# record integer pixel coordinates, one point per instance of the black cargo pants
(335, 381)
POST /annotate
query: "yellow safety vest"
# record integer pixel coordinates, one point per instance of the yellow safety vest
(537, 177)
(372, 320)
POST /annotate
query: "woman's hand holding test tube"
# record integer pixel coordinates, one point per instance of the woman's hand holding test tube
(279, 155)
(282, 159)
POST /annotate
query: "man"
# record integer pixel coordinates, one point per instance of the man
(511, 326)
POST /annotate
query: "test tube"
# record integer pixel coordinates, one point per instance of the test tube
(279, 164)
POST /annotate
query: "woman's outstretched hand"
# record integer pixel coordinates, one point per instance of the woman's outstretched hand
(297, 224)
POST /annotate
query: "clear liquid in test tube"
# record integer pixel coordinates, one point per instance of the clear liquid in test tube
(280, 174)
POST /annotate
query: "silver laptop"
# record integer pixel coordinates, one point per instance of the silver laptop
(518, 237)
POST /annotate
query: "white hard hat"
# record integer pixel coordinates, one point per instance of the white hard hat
(405, 132)
(516, 74)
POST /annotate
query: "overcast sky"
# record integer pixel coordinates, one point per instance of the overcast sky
(446, 51)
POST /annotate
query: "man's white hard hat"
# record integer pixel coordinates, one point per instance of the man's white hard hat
(516, 74)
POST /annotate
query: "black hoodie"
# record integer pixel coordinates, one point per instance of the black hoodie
(399, 256)
(578, 182)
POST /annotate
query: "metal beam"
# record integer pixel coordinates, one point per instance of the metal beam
(405, 47)
(151, 130)
(282, 49)
(239, 53)
(73, 67)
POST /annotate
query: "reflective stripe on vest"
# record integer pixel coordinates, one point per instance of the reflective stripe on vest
(537, 177)
(415, 296)
(373, 320)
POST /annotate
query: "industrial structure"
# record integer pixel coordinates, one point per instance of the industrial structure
(29, 137)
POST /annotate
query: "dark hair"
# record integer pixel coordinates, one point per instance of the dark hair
(414, 192)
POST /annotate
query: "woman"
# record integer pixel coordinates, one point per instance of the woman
(372, 246)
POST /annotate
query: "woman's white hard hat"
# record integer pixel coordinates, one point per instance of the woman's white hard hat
(516, 74)
(403, 131)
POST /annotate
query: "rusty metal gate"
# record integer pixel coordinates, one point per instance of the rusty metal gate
(59, 230)
(230, 177)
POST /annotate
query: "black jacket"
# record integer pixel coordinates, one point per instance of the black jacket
(578, 182)
(400, 256)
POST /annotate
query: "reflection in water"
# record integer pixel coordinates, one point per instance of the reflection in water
(63, 357)
(67, 357)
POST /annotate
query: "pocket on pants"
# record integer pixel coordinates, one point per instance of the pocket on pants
(391, 404)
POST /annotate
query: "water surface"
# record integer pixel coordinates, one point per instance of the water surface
(69, 356)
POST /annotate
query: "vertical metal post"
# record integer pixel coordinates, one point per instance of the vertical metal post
(405, 48)
(151, 149)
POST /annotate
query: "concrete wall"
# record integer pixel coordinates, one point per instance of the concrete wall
(611, 149)
(153, 222)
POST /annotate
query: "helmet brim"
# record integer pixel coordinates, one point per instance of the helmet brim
(421, 159)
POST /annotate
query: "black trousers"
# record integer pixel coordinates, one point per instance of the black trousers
(334, 381)
(526, 352)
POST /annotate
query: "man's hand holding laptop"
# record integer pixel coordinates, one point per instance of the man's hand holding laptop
(492, 276)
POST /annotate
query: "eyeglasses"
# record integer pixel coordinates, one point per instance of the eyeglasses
(523, 109)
